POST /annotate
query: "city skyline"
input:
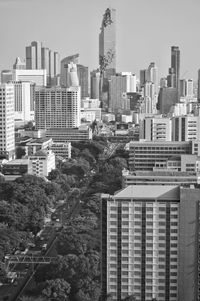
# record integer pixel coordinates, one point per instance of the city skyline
(154, 27)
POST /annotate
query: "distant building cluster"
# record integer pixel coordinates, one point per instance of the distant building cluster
(149, 229)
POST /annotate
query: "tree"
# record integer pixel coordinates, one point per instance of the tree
(57, 290)
(20, 152)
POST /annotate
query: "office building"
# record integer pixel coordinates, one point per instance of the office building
(19, 64)
(39, 77)
(57, 107)
(33, 56)
(156, 129)
(94, 84)
(37, 144)
(119, 85)
(6, 76)
(39, 57)
(185, 128)
(7, 111)
(167, 98)
(41, 163)
(150, 243)
(144, 155)
(64, 135)
(143, 77)
(107, 42)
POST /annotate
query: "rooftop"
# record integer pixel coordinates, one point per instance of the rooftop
(162, 192)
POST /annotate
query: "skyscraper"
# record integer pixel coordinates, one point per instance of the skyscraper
(7, 134)
(119, 85)
(38, 57)
(33, 55)
(107, 42)
(175, 64)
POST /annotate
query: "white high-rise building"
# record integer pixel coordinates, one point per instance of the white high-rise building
(57, 107)
(23, 100)
(7, 135)
(120, 84)
(39, 77)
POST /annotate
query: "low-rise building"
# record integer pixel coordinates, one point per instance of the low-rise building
(64, 135)
(62, 150)
(41, 163)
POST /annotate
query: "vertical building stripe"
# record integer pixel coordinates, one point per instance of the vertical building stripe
(167, 257)
(143, 261)
(119, 251)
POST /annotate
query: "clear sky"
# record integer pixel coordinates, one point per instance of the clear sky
(146, 29)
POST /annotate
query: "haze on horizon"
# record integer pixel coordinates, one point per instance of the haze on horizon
(146, 29)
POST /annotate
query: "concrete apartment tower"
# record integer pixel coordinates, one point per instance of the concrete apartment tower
(59, 107)
(7, 134)
(150, 243)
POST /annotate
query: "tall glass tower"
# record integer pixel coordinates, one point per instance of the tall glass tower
(175, 65)
(107, 42)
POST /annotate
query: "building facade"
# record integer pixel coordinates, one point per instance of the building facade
(39, 77)
(57, 108)
(150, 243)
(7, 111)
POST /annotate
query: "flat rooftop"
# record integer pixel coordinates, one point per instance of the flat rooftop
(146, 192)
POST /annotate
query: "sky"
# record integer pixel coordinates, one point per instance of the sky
(146, 29)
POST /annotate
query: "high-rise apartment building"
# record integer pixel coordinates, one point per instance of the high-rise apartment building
(107, 42)
(185, 128)
(57, 107)
(7, 135)
(120, 84)
(23, 100)
(150, 243)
